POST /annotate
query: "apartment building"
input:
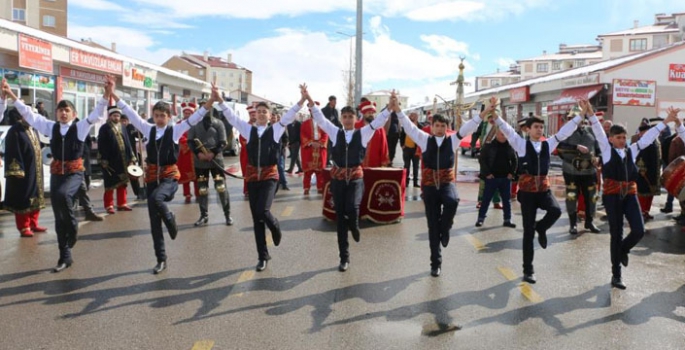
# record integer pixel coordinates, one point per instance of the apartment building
(47, 15)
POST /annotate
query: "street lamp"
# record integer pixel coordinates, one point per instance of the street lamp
(358, 56)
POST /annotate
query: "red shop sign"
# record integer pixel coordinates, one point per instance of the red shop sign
(95, 61)
(676, 72)
(518, 95)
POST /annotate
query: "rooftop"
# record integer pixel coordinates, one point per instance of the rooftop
(217, 62)
(651, 29)
(565, 56)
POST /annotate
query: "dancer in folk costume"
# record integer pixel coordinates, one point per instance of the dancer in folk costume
(185, 158)
(377, 151)
(115, 155)
(314, 151)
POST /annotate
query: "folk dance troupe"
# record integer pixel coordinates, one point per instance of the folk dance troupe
(598, 162)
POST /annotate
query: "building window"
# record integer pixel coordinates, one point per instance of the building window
(578, 63)
(19, 15)
(49, 21)
(660, 41)
(542, 67)
(495, 82)
(556, 65)
(638, 44)
(485, 83)
(616, 45)
(201, 72)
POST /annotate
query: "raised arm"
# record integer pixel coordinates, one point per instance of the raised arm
(37, 121)
(185, 125)
(517, 142)
(647, 139)
(279, 127)
(565, 132)
(419, 136)
(367, 131)
(324, 123)
(3, 107)
(601, 137)
(97, 115)
(467, 129)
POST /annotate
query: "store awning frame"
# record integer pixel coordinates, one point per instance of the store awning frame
(570, 98)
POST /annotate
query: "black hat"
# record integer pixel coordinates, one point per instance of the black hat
(114, 109)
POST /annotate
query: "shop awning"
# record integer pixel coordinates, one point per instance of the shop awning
(570, 98)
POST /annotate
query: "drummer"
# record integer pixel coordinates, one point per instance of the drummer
(620, 188)
(437, 177)
(115, 155)
(347, 183)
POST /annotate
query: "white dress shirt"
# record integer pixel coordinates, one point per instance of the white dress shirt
(367, 131)
(44, 125)
(420, 137)
(644, 142)
(3, 107)
(144, 127)
(244, 127)
(519, 143)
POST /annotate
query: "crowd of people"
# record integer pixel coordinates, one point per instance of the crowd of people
(514, 163)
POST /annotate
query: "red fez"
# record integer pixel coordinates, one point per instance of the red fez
(367, 106)
(189, 106)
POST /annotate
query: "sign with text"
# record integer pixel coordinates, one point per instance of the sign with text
(518, 95)
(24, 79)
(634, 92)
(75, 74)
(35, 53)
(676, 72)
(94, 61)
(139, 77)
(591, 79)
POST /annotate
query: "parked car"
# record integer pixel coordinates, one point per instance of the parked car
(46, 168)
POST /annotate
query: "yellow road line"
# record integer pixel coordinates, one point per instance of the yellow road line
(507, 273)
(245, 276)
(288, 211)
(529, 293)
(203, 345)
(475, 242)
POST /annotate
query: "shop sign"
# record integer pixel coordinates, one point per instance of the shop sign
(76, 74)
(24, 79)
(94, 61)
(591, 79)
(35, 54)
(519, 95)
(139, 77)
(676, 72)
(634, 92)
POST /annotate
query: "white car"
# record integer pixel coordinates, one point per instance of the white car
(46, 168)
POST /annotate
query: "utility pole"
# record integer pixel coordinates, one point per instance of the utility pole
(358, 56)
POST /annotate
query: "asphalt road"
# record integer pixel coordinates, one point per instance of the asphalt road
(211, 298)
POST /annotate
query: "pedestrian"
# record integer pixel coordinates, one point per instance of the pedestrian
(263, 146)
(207, 140)
(534, 186)
(411, 153)
(649, 169)
(293, 132)
(331, 113)
(498, 166)
(620, 188)
(67, 143)
(487, 130)
(392, 130)
(347, 183)
(115, 155)
(440, 195)
(314, 154)
(162, 171)
(40, 107)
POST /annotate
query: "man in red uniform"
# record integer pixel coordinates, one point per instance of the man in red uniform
(377, 152)
(313, 149)
(185, 157)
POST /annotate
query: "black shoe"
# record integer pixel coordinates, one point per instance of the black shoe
(229, 220)
(667, 210)
(542, 236)
(679, 217)
(624, 259)
(617, 282)
(529, 277)
(591, 227)
(436, 272)
(91, 216)
(573, 230)
(61, 266)
(261, 265)
(159, 268)
(479, 223)
(276, 235)
(356, 234)
(171, 225)
(285, 188)
(344, 266)
(71, 240)
(509, 224)
(202, 221)
(445, 239)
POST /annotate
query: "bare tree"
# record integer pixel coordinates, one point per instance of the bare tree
(348, 85)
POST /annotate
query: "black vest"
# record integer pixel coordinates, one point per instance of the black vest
(67, 147)
(434, 156)
(168, 149)
(348, 155)
(533, 163)
(620, 169)
(263, 151)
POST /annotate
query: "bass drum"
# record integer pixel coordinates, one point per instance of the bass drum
(47, 155)
(673, 178)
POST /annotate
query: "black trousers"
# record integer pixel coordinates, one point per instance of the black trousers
(347, 197)
(411, 159)
(617, 208)
(294, 157)
(393, 139)
(261, 196)
(576, 184)
(63, 192)
(530, 203)
(203, 176)
(157, 196)
(441, 206)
